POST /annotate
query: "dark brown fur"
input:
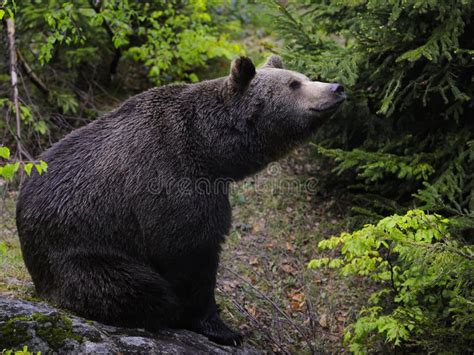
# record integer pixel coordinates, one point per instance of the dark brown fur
(112, 232)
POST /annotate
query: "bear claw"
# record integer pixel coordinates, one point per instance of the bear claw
(216, 330)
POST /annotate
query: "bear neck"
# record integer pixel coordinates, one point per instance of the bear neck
(222, 137)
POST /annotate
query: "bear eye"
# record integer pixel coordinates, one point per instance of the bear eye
(295, 84)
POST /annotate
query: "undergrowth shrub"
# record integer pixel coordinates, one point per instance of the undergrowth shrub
(424, 277)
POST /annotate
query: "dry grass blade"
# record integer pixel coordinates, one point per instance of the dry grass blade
(254, 320)
(277, 308)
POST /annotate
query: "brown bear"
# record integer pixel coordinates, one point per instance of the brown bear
(112, 233)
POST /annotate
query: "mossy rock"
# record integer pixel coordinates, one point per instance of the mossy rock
(55, 329)
(46, 329)
(14, 332)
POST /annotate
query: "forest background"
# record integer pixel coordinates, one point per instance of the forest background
(388, 230)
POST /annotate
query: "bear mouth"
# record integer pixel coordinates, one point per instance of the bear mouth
(331, 107)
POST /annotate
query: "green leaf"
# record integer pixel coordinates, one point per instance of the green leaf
(4, 152)
(8, 170)
(28, 168)
(317, 263)
(41, 127)
(41, 167)
(44, 166)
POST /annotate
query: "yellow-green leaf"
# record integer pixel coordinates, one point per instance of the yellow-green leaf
(4, 152)
(28, 168)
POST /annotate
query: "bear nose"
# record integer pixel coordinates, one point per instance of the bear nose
(336, 88)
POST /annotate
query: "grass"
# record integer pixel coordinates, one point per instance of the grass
(264, 287)
(14, 278)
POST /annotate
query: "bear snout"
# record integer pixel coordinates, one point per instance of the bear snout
(336, 88)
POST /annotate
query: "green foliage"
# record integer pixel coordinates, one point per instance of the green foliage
(23, 351)
(8, 170)
(373, 166)
(73, 53)
(405, 134)
(172, 38)
(423, 298)
(183, 40)
(7, 9)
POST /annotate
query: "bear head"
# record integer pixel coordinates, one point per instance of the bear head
(266, 112)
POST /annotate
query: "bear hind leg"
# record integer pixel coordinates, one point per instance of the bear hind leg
(117, 291)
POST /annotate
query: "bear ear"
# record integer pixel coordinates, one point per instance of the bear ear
(242, 72)
(274, 61)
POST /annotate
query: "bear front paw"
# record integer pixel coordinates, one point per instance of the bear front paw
(217, 331)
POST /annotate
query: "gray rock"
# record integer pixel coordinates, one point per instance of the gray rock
(44, 328)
